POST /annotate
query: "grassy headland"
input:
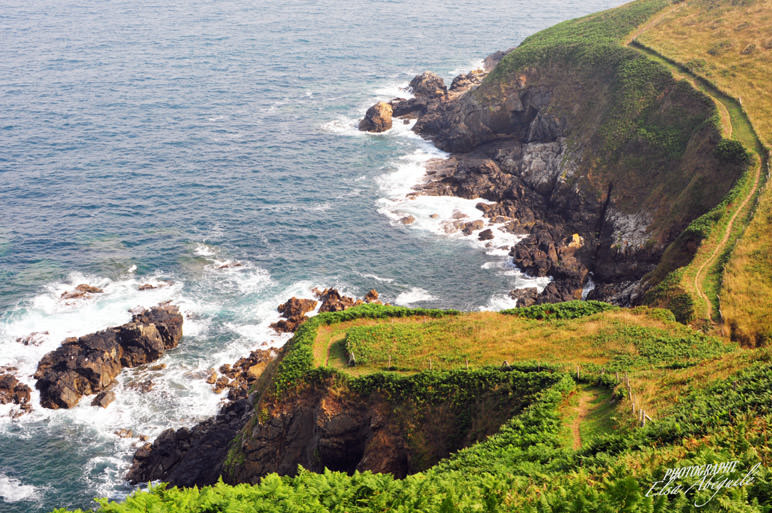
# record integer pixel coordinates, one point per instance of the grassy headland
(564, 384)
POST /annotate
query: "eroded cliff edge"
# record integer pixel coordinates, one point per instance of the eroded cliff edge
(594, 151)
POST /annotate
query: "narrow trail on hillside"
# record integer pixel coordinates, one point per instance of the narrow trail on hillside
(728, 124)
(586, 398)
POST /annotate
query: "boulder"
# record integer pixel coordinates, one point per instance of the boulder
(13, 391)
(485, 234)
(377, 118)
(90, 364)
(525, 297)
(428, 85)
(472, 226)
(103, 399)
(371, 296)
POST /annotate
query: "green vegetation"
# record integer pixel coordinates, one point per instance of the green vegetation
(558, 384)
(526, 466)
(731, 264)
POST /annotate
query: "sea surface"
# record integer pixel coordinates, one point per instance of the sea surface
(210, 148)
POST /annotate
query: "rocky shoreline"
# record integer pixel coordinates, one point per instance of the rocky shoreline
(89, 364)
(517, 157)
(187, 457)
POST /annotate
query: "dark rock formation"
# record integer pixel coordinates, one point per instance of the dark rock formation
(188, 457)
(531, 142)
(195, 456)
(89, 364)
(466, 81)
(241, 375)
(428, 85)
(333, 301)
(377, 118)
(294, 312)
(525, 297)
(12, 391)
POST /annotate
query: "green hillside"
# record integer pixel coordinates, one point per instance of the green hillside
(569, 407)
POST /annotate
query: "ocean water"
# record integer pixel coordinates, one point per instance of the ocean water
(164, 142)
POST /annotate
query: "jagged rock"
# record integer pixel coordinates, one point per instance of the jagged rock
(333, 301)
(466, 81)
(33, 339)
(294, 311)
(428, 85)
(407, 220)
(485, 234)
(104, 398)
(377, 118)
(525, 297)
(13, 391)
(295, 307)
(90, 364)
(188, 457)
(371, 296)
(80, 291)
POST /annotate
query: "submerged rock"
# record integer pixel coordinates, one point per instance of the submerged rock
(377, 118)
(89, 364)
(525, 297)
(80, 291)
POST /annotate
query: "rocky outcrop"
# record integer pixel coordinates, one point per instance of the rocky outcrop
(240, 376)
(377, 118)
(428, 86)
(13, 391)
(90, 364)
(294, 312)
(188, 457)
(535, 142)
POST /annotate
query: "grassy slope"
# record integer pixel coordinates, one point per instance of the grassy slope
(729, 43)
(705, 416)
(711, 400)
(640, 129)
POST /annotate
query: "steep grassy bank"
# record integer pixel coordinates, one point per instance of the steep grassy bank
(642, 156)
(527, 464)
(539, 409)
(728, 46)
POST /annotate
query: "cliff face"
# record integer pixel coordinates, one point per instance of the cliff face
(607, 146)
(390, 425)
(330, 425)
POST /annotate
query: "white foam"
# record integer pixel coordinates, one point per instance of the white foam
(471, 66)
(228, 306)
(376, 277)
(588, 287)
(13, 490)
(413, 296)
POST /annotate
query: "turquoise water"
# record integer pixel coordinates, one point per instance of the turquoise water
(164, 142)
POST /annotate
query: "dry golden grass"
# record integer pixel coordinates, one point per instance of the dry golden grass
(746, 295)
(727, 42)
(491, 338)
